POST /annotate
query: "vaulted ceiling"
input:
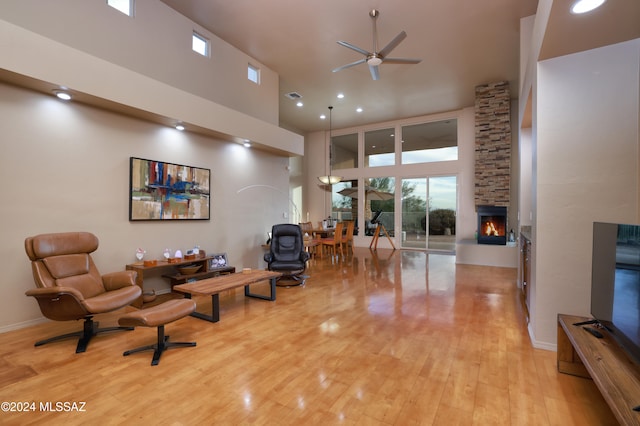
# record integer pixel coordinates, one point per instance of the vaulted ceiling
(462, 44)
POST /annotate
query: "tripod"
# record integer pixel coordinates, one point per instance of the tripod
(374, 242)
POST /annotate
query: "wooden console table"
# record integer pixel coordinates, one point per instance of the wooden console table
(176, 278)
(604, 361)
(213, 286)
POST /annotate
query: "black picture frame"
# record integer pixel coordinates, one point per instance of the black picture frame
(218, 261)
(160, 190)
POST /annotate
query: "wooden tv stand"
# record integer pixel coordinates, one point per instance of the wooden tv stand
(603, 360)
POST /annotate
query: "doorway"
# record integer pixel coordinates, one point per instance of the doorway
(429, 206)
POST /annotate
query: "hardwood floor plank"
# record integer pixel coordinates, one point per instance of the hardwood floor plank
(381, 338)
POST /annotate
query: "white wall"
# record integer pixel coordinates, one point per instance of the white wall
(525, 183)
(65, 167)
(586, 169)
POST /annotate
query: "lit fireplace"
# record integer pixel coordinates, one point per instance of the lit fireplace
(492, 225)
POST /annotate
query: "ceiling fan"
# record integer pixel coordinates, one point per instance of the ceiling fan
(375, 58)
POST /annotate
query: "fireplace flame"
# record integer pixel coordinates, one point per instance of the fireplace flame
(490, 229)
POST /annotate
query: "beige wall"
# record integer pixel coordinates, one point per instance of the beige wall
(65, 167)
(68, 163)
(156, 42)
(588, 121)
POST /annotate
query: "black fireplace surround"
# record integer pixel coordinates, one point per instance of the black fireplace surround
(492, 225)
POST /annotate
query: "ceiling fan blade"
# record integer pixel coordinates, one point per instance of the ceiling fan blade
(401, 61)
(375, 74)
(352, 47)
(352, 64)
(392, 44)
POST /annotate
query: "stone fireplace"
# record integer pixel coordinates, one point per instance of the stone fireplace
(493, 145)
(492, 161)
(492, 195)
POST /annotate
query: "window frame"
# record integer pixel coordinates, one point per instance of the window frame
(256, 70)
(115, 5)
(195, 35)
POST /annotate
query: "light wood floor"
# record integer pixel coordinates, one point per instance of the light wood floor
(400, 338)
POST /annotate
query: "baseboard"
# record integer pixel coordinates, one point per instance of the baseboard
(20, 325)
(541, 345)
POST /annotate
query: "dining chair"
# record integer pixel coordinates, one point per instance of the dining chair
(306, 227)
(347, 240)
(335, 242)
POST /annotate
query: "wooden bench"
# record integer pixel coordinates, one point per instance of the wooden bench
(604, 361)
(214, 286)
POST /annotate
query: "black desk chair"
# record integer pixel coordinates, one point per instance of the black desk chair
(286, 253)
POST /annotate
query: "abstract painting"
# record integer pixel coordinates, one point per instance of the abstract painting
(167, 191)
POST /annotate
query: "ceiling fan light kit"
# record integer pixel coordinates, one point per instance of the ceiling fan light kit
(374, 61)
(375, 58)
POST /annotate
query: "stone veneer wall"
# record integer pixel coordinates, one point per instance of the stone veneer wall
(493, 144)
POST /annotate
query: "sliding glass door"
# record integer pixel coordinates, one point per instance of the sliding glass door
(429, 213)
(441, 220)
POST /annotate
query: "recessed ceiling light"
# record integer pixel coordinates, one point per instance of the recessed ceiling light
(179, 126)
(340, 95)
(62, 95)
(322, 116)
(299, 104)
(358, 109)
(247, 145)
(584, 6)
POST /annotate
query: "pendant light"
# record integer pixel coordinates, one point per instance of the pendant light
(329, 179)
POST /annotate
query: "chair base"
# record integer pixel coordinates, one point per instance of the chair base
(160, 346)
(298, 279)
(89, 330)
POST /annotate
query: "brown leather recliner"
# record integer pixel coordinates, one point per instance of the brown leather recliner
(70, 286)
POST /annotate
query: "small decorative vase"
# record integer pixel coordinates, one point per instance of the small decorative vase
(140, 254)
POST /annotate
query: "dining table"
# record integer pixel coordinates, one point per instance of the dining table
(322, 232)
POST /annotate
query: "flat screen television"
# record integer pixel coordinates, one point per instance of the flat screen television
(615, 282)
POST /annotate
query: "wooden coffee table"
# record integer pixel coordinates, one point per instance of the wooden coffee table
(213, 286)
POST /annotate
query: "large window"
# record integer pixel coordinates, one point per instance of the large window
(379, 204)
(429, 212)
(379, 148)
(429, 142)
(345, 151)
(396, 166)
(344, 200)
